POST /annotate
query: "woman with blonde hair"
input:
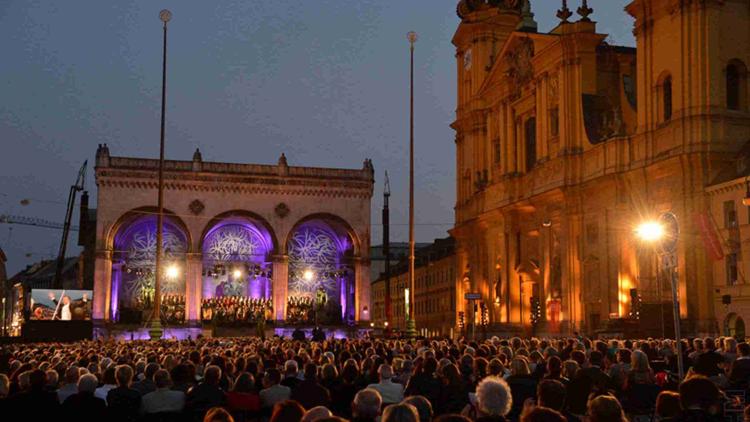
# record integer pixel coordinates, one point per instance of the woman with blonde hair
(522, 385)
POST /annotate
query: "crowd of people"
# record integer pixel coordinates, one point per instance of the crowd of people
(236, 310)
(373, 380)
(173, 308)
(300, 310)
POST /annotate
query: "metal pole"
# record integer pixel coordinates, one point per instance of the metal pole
(411, 328)
(676, 312)
(156, 331)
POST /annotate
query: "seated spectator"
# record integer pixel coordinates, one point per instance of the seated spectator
(164, 399)
(308, 392)
(83, 406)
(273, 392)
(109, 382)
(493, 401)
(390, 392)
(147, 385)
(542, 414)
(700, 400)
(522, 385)
(207, 394)
(35, 402)
(366, 406)
(551, 394)
(667, 406)
(423, 406)
(123, 402)
(605, 408)
(291, 374)
(218, 414)
(708, 363)
(287, 411)
(71, 384)
(243, 398)
(739, 374)
(401, 412)
(316, 413)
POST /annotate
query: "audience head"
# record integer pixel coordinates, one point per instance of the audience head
(218, 414)
(402, 412)
(212, 375)
(605, 409)
(366, 404)
(287, 411)
(4, 386)
(551, 393)
(494, 397)
(667, 404)
(124, 375)
(87, 383)
(699, 392)
(385, 372)
(542, 414)
(316, 413)
(423, 406)
(162, 379)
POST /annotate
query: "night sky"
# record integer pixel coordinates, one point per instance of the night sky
(324, 81)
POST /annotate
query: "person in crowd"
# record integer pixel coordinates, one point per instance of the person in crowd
(273, 392)
(739, 372)
(71, 384)
(390, 391)
(667, 406)
(287, 411)
(493, 401)
(207, 394)
(108, 382)
(401, 412)
(709, 362)
(700, 400)
(551, 394)
(423, 406)
(147, 385)
(542, 414)
(217, 414)
(522, 385)
(366, 406)
(164, 399)
(83, 406)
(605, 408)
(123, 402)
(425, 381)
(453, 396)
(243, 399)
(291, 374)
(316, 413)
(308, 392)
(35, 402)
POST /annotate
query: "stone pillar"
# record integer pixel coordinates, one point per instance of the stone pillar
(102, 285)
(193, 288)
(280, 283)
(362, 289)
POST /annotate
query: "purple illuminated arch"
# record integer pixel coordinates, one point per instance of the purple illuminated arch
(238, 244)
(319, 250)
(133, 260)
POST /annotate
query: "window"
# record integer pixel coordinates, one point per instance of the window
(733, 87)
(554, 122)
(731, 260)
(730, 215)
(496, 152)
(667, 98)
(530, 133)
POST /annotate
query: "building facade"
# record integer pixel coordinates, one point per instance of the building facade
(435, 294)
(262, 232)
(564, 143)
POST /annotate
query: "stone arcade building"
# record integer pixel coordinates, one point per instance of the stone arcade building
(260, 231)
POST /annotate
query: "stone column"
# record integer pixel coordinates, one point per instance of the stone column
(280, 283)
(102, 285)
(362, 289)
(193, 288)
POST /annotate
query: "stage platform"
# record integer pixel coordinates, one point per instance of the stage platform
(135, 332)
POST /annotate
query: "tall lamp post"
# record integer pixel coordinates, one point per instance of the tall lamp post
(663, 234)
(411, 324)
(155, 329)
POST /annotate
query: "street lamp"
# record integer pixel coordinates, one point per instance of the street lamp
(155, 331)
(663, 234)
(411, 324)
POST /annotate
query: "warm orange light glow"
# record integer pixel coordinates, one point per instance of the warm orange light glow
(650, 231)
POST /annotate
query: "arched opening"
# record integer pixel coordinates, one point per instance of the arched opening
(237, 269)
(530, 134)
(735, 85)
(321, 279)
(734, 326)
(134, 268)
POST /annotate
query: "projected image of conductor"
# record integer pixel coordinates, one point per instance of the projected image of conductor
(61, 305)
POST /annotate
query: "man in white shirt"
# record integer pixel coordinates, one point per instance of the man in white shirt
(163, 399)
(63, 311)
(390, 392)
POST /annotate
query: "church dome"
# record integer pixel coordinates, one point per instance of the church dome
(466, 7)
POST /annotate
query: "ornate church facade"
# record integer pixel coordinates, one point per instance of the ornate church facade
(271, 234)
(564, 143)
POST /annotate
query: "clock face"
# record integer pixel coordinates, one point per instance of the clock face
(467, 59)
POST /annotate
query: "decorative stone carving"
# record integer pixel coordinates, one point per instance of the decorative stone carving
(553, 88)
(520, 70)
(281, 210)
(196, 207)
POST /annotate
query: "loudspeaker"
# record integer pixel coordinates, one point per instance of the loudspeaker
(726, 299)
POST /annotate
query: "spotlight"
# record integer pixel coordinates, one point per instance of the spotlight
(650, 231)
(308, 275)
(237, 274)
(172, 271)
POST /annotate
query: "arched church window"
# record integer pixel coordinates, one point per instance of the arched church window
(667, 99)
(733, 87)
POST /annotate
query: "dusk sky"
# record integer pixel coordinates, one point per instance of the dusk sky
(324, 81)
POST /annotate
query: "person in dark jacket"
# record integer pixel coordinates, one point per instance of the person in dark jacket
(309, 393)
(124, 403)
(739, 374)
(37, 403)
(83, 406)
(207, 394)
(700, 400)
(425, 382)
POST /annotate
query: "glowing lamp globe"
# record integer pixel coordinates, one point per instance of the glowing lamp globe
(650, 231)
(412, 37)
(165, 15)
(308, 275)
(172, 272)
(237, 273)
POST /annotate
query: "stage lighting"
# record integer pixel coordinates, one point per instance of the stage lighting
(172, 271)
(308, 275)
(237, 274)
(650, 231)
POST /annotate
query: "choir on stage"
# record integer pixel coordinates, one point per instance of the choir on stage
(236, 310)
